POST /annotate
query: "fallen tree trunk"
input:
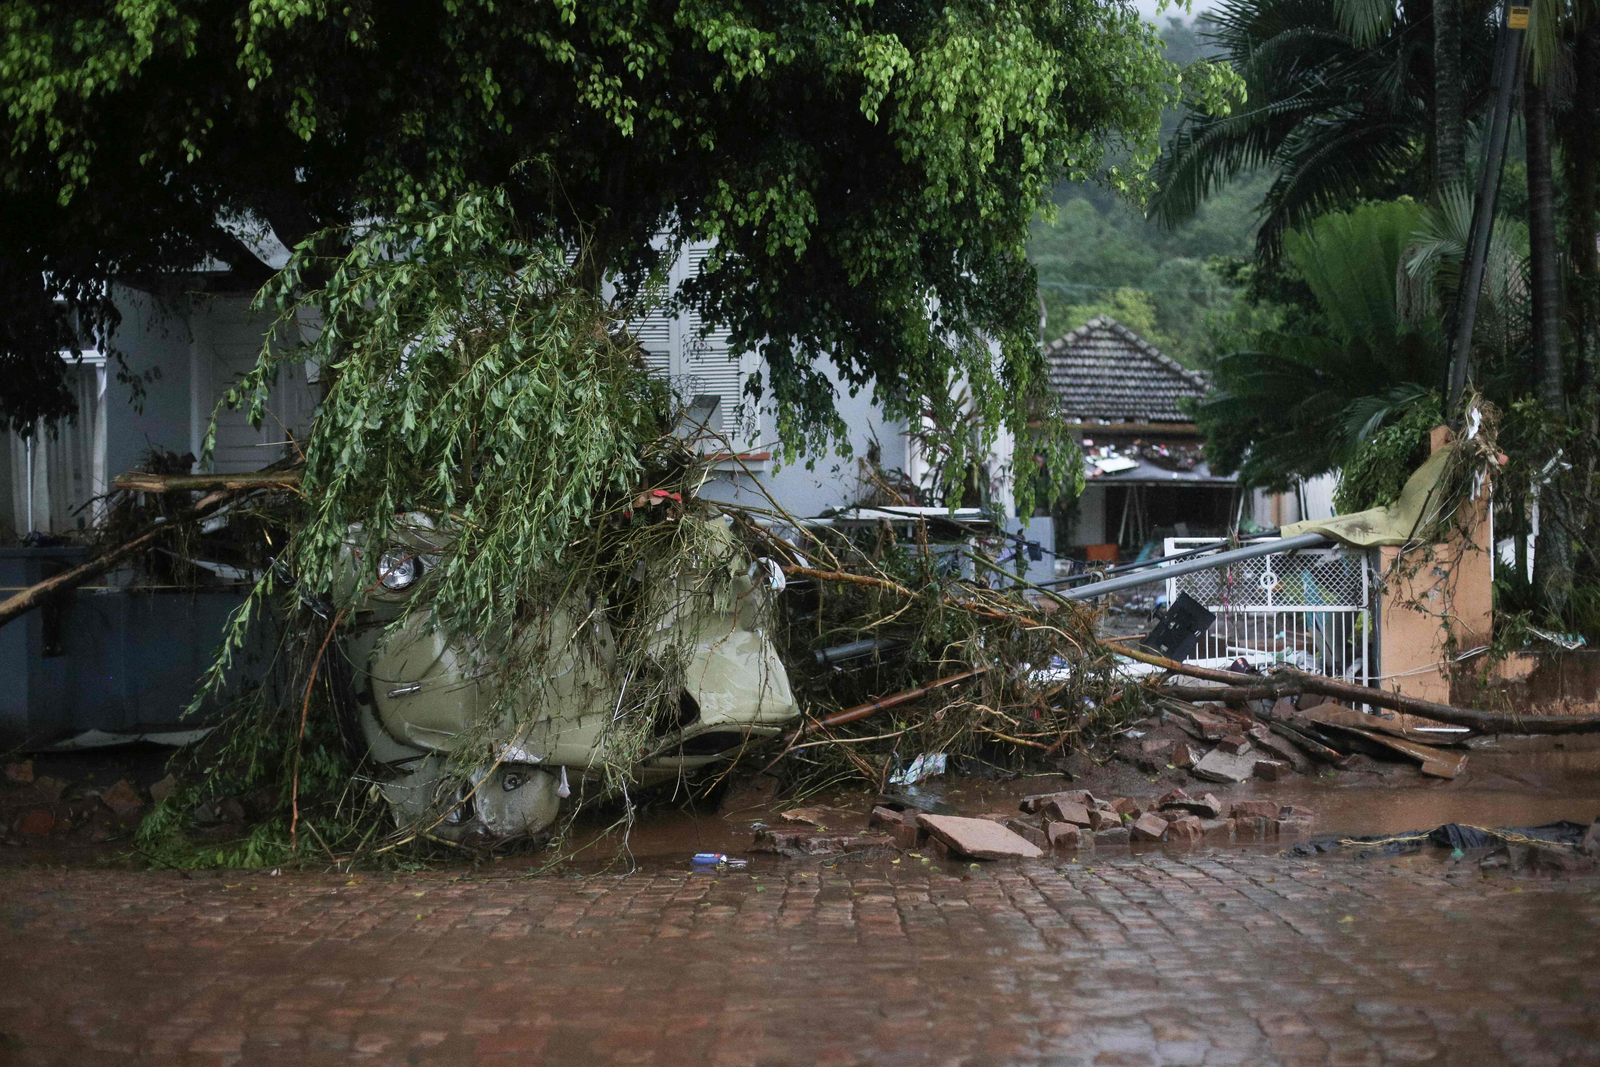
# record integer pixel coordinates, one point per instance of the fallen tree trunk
(1290, 682)
(144, 482)
(35, 595)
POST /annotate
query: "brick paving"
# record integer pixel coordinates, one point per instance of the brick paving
(1224, 957)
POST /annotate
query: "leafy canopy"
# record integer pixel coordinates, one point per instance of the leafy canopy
(1338, 112)
(1295, 400)
(868, 171)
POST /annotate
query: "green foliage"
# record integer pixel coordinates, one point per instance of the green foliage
(1283, 401)
(868, 171)
(1376, 470)
(1334, 117)
(469, 381)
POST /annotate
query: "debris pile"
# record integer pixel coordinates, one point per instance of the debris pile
(1048, 824)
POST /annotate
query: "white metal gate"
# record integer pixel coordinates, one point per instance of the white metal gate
(1309, 608)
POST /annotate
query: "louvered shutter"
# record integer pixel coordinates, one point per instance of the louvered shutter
(711, 369)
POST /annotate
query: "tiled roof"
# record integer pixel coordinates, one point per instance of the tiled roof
(1103, 370)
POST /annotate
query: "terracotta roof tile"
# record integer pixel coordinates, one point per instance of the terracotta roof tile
(1103, 370)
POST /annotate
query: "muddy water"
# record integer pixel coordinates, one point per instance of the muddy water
(1524, 782)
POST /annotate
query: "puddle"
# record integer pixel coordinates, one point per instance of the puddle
(1522, 782)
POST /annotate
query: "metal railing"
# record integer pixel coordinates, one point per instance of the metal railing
(1309, 608)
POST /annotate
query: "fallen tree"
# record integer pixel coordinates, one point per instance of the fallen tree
(1290, 682)
(36, 595)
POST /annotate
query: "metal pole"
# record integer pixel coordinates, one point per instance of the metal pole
(1221, 559)
(1507, 67)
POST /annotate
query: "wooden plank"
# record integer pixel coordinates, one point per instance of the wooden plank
(1436, 763)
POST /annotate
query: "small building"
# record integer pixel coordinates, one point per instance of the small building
(1144, 458)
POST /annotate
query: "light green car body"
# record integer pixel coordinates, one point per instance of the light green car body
(424, 698)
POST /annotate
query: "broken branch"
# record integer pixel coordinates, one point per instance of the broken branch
(1288, 682)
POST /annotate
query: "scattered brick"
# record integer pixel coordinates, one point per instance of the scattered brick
(1218, 829)
(882, 818)
(1185, 756)
(978, 838)
(37, 823)
(1186, 831)
(1059, 809)
(1112, 835)
(1065, 837)
(1125, 806)
(1148, 828)
(908, 834)
(1101, 818)
(1272, 770)
(1254, 809)
(1029, 832)
(121, 799)
(1297, 827)
(20, 772)
(1237, 744)
(1207, 806)
(49, 788)
(797, 843)
(161, 790)
(1220, 766)
(1155, 744)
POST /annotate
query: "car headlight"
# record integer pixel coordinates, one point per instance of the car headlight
(398, 571)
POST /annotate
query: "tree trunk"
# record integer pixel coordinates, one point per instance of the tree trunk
(1552, 565)
(1580, 148)
(1542, 251)
(1449, 115)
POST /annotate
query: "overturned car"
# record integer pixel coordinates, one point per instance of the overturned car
(481, 737)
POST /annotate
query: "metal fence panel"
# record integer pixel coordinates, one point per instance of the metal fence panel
(1309, 608)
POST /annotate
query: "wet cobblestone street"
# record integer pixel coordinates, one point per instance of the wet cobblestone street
(1214, 958)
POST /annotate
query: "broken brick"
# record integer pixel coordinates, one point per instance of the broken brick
(1216, 828)
(20, 772)
(908, 834)
(1235, 744)
(1254, 809)
(1292, 811)
(1103, 818)
(1112, 835)
(1294, 827)
(1155, 744)
(161, 790)
(978, 838)
(1186, 831)
(1271, 770)
(1029, 832)
(1148, 828)
(37, 822)
(1205, 806)
(121, 799)
(1064, 836)
(1060, 809)
(883, 818)
(1125, 806)
(1185, 756)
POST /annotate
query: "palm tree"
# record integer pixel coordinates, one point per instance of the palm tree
(1369, 20)
(1295, 402)
(1336, 116)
